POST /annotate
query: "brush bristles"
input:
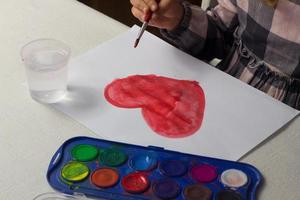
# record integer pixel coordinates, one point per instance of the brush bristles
(136, 43)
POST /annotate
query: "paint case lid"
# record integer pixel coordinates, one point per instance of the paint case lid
(61, 196)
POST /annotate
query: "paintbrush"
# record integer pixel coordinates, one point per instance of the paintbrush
(143, 28)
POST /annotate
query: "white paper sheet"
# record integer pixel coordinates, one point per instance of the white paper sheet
(237, 117)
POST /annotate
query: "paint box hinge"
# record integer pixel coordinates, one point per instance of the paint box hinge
(155, 147)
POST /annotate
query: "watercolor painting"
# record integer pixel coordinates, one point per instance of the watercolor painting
(172, 108)
(166, 98)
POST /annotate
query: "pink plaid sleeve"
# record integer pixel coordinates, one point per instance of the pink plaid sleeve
(205, 34)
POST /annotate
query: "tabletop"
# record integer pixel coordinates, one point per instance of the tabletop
(30, 132)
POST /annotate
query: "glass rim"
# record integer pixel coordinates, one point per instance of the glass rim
(47, 195)
(62, 196)
(63, 45)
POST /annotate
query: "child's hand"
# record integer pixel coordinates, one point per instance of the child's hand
(166, 14)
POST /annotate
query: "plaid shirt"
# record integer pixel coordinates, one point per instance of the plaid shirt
(257, 43)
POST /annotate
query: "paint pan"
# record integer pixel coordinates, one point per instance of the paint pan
(234, 178)
(173, 168)
(197, 192)
(136, 182)
(228, 195)
(166, 188)
(203, 173)
(144, 162)
(74, 171)
(113, 157)
(105, 177)
(84, 152)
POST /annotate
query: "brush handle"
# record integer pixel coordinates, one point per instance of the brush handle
(148, 16)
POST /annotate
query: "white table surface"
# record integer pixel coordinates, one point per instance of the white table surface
(31, 132)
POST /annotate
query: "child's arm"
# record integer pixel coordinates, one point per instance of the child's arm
(205, 34)
(166, 13)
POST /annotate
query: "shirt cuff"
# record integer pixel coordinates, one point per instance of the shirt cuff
(183, 24)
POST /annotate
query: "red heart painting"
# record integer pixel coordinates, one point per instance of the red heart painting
(172, 108)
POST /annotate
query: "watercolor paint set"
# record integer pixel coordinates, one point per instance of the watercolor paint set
(103, 169)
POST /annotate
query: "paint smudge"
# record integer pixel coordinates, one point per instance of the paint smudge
(172, 108)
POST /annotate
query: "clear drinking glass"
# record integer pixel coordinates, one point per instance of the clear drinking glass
(46, 63)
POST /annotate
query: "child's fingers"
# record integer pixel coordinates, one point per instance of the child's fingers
(157, 21)
(161, 21)
(137, 13)
(142, 5)
(152, 4)
(164, 5)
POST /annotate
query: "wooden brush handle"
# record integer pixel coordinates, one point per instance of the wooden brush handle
(148, 16)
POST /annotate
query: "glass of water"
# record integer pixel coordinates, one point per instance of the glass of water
(46, 63)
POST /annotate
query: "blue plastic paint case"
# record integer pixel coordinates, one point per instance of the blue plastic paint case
(104, 169)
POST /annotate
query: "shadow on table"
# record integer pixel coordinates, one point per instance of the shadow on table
(80, 100)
